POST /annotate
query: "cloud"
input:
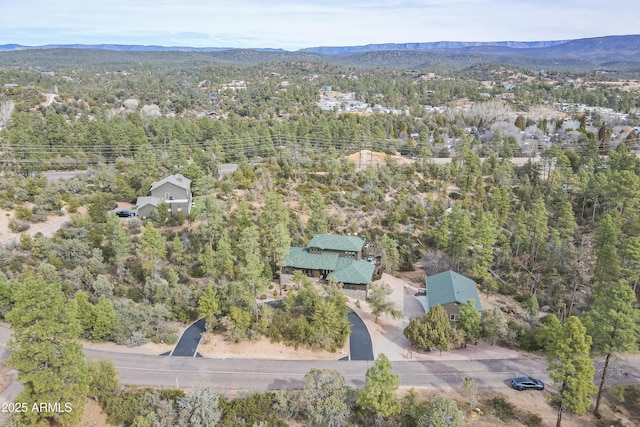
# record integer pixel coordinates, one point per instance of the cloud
(297, 24)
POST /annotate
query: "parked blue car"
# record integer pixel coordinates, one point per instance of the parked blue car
(125, 213)
(526, 383)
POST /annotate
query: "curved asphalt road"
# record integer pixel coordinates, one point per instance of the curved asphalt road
(188, 343)
(360, 346)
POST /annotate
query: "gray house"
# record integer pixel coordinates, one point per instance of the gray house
(451, 290)
(174, 191)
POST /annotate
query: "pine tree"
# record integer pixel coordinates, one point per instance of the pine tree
(538, 225)
(118, 243)
(379, 394)
(209, 306)
(469, 322)
(252, 270)
(571, 368)
(152, 247)
(613, 325)
(390, 254)
(177, 247)
(377, 299)
(460, 233)
(486, 235)
(325, 398)
(46, 353)
(279, 244)
(85, 313)
(318, 214)
(104, 320)
(442, 411)
(494, 327)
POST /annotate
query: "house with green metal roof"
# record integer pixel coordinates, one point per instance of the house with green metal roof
(451, 290)
(344, 258)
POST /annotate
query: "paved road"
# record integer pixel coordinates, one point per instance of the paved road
(233, 374)
(360, 347)
(223, 169)
(190, 339)
(46, 230)
(57, 175)
(517, 161)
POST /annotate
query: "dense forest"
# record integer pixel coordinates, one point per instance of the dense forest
(559, 234)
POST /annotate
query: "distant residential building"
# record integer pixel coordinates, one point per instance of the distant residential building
(174, 191)
(348, 259)
(506, 95)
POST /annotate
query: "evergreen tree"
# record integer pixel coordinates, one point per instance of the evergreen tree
(177, 247)
(469, 388)
(209, 306)
(224, 258)
(379, 394)
(252, 265)
(614, 325)
(279, 244)
(85, 313)
(486, 235)
(152, 247)
(469, 322)
(538, 226)
(377, 299)
(200, 408)
(493, 324)
(324, 397)
(318, 214)
(442, 411)
(105, 319)
(571, 368)
(118, 243)
(47, 355)
(390, 254)
(460, 233)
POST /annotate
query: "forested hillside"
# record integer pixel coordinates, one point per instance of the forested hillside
(556, 234)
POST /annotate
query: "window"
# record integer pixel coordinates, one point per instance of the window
(453, 317)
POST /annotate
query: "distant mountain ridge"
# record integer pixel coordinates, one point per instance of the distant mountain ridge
(339, 50)
(324, 50)
(609, 53)
(125, 48)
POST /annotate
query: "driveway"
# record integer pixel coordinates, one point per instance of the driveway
(360, 346)
(188, 343)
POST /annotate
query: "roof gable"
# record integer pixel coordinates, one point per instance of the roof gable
(177, 180)
(354, 272)
(449, 286)
(301, 258)
(337, 242)
(148, 200)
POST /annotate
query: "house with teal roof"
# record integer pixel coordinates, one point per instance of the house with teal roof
(345, 258)
(451, 290)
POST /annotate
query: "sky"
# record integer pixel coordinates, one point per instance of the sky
(293, 25)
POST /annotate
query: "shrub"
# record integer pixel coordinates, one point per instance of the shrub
(137, 338)
(39, 215)
(18, 226)
(168, 338)
(502, 408)
(618, 393)
(23, 213)
(533, 420)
